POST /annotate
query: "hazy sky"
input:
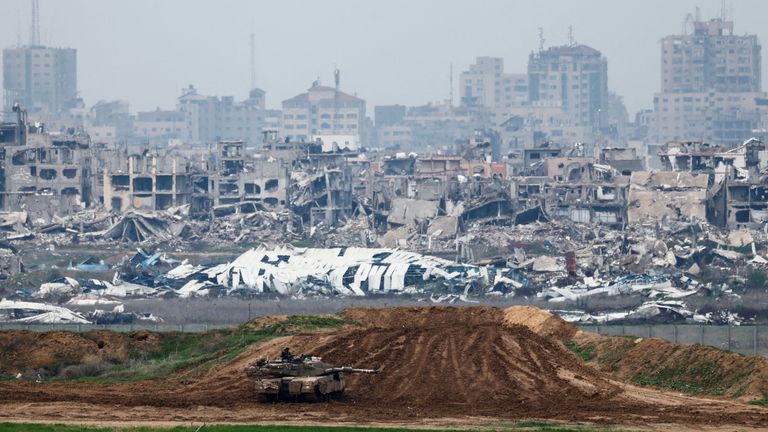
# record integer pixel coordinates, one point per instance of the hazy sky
(388, 51)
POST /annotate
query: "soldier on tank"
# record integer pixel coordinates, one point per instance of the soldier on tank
(286, 355)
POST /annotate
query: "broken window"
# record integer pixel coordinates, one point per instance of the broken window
(142, 184)
(164, 182)
(70, 191)
(228, 189)
(163, 202)
(272, 202)
(252, 188)
(70, 173)
(47, 174)
(271, 185)
(120, 182)
(739, 194)
(22, 157)
(117, 203)
(742, 216)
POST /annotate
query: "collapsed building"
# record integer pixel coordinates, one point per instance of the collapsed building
(736, 183)
(41, 172)
(145, 181)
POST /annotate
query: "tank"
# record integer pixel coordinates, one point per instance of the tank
(304, 378)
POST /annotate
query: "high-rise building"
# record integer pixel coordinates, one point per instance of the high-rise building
(486, 85)
(711, 58)
(40, 78)
(710, 86)
(574, 77)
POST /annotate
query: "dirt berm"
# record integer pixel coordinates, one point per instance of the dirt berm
(434, 362)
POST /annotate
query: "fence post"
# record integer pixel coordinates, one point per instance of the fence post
(729, 337)
(675, 326)
(623, 330)
(754, 339)
(701, 334)
(650, 332)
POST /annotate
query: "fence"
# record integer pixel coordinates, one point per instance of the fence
(747, 340)
(121, 328)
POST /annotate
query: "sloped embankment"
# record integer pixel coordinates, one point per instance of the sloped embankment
(692, 369)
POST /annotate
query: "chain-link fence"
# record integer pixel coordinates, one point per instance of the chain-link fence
(122, 328)
(747, 340)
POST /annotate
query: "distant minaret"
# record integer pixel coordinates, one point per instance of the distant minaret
(34, 31)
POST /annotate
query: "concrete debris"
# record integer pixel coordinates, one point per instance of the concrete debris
(546, 263)
(37, 313)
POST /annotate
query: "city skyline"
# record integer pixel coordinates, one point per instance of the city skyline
(387, 56)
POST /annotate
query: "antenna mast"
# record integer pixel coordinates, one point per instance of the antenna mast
(34, 32)
(253, 61)
(541, 38)
(450, 90)
(723, 10)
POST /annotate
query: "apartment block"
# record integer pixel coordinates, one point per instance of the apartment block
(322, 110)
(486, 85)
(40, 78)
(574, 77)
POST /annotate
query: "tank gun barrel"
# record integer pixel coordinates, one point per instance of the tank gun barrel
(347, 369)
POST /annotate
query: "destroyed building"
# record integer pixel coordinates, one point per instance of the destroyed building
(666, 194)
(145, 181)
(737, 189)
(44, 173)
(245, 180)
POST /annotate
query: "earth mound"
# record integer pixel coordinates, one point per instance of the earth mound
(540, 322)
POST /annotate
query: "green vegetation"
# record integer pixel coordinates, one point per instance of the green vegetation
(196, 353)
(697, 377)
(31, 427)
(612, 350)
(760, 402)
(534, 424)
(586, 352)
